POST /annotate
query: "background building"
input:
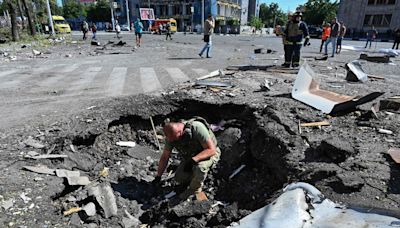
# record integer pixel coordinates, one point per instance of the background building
(361, 15)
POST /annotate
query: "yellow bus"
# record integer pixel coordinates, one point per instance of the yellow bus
(61, 25)
(156, 25)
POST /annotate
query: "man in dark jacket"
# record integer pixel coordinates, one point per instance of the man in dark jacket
(396, 39)
(335, 32)
(295, 31)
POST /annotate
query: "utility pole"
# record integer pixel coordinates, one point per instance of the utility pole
(112, 15)
(202, 15)
(127, 15)
(50, 18)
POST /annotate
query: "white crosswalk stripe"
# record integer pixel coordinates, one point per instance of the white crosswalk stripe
(116, 81)
(86, 78)
(177, 75)
(149, 79)
(200, 71)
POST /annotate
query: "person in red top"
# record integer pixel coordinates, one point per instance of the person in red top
(326, 33)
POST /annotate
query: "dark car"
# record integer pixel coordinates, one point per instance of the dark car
(315, 32)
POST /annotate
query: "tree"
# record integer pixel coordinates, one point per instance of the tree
(256, 22)
(318, 11)
(28, 12)
(99, 12)
(272, 15)
(72, 9)
(14, 27)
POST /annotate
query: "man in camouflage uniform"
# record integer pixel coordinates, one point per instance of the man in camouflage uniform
(294, 33)
(197, 145)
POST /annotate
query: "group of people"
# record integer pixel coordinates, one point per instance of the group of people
(333, 34)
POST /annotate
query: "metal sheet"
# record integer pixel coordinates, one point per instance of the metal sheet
(355, 72)
(307, 90)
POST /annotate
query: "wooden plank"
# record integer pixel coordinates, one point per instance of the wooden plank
(315, 124)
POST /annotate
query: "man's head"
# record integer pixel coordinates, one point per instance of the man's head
(173, 131)
(334, 20)
(297, 16)
(210, 17)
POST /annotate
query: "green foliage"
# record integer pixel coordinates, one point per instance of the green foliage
(272, 13)
(317, 11)
(99, 12)
(256, 22)
(72, 9)
(41, 10)
(232, 22)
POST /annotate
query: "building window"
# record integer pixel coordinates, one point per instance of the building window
(380, 20)
(367, 19)
(371, 2)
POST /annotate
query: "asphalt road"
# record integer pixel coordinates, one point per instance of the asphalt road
(44, 89)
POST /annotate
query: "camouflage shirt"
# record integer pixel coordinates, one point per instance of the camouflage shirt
(189, 147)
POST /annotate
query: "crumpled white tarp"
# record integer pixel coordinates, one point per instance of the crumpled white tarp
(291, 209)
(390, 52)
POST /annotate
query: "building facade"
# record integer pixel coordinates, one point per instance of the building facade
(361, 15)
(185, 12)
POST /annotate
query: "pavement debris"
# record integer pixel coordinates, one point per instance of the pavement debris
(213, 84)
(33, 143)
(95, 43)
(265, 86)
(73, 181)
(105, 197)
(391, 103)
(48, 156)
(7, 204)
(90, 209)
(238, 170)
(384, 131)
(42, 169)
(36, 52)
(72, 210)
(395, 154)
(322, 58)
(264, 51)
(315, 124)
(129, 221)
(215, 73)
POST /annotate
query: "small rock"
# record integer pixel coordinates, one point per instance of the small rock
(38, 179)
(25, 198)
(32, 153)
(7, 204)
(36, 52)
(68, 55)
(90, 209)
(75, 220)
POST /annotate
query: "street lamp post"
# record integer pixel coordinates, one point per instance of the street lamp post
(202, 15)
(50, 18)
(112, 15)
(127, 14)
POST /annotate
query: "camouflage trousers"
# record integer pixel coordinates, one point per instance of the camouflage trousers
(196, 177)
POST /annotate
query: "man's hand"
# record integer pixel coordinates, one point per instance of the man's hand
(156, 181)
(189, 165)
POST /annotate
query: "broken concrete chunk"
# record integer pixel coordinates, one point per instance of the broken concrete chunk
(188, 209)
(78, 181)
(7, 204)
(33, 143)
(67, 173)
(395, 154)
(384, 131)
(40, 169)
(307, 90)
(129, 221)
(36, 52)
(95, 43)
(105, 197)
(90, 209)
(350, 181)
(32, 153)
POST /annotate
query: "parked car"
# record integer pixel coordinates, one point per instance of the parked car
(315, 32)
(125, 28)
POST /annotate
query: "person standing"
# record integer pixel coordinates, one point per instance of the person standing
(118, 30)
(295, 31)
(85, 29)
(371, 35)
(396, 39)
(94, 31)
(208, 31)
(342, 33)
(326, 32)
(168, 28)
(138, 31)
(335, 29)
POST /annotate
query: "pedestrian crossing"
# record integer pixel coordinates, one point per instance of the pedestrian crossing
(94, 79)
